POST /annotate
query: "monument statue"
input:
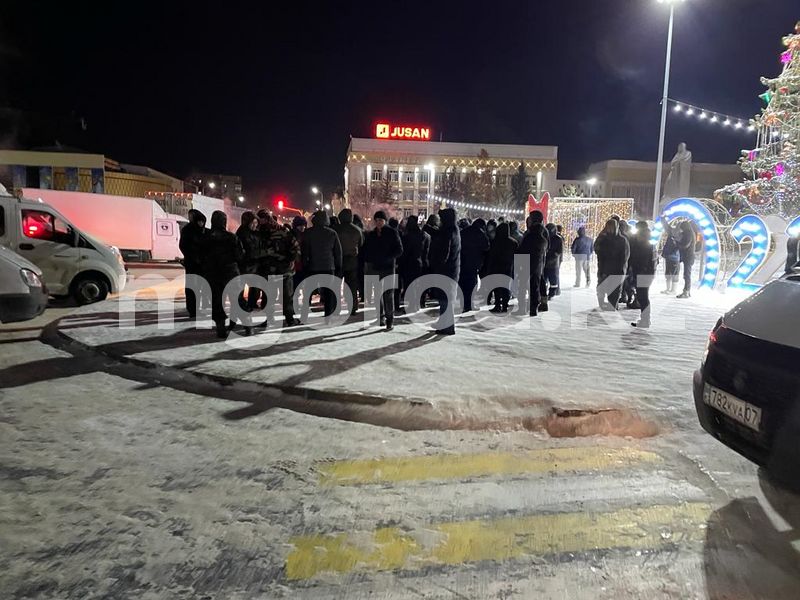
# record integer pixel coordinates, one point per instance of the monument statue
(680, 174)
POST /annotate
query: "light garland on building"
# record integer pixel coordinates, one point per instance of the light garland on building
(711, 116)
(475, 206)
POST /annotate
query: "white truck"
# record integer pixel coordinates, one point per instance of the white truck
(139, 227)
(72, 261)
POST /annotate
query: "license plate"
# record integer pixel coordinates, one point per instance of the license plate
(738, 410)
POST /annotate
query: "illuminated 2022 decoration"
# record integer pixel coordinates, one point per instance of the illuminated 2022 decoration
(690, 208)
(754, 228)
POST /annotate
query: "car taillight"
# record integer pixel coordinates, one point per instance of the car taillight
(712, 339)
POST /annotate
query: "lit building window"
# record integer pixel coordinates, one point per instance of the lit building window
(409, 177)
(394, 176)
(423, 177)
(377, 175)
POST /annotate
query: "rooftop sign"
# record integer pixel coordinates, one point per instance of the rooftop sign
(385, 131)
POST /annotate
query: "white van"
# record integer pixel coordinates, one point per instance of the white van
(23, 295)
(73, 263)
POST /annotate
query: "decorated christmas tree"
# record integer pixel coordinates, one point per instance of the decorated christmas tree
(772, 168)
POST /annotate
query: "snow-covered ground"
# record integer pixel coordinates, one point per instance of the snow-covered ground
(123, 481)
(573, 356)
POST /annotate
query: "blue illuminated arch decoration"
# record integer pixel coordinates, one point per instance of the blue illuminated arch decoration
(754, 228)
(691, 209)
(794, 228)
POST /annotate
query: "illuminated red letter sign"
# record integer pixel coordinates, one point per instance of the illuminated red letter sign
(385, 131)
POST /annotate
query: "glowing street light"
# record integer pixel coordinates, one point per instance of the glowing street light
(212, 185)
(241, 198)
(664, 103)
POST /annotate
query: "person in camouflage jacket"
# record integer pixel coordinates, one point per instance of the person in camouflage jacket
(281, 250)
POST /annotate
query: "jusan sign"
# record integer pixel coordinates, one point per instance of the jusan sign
(385, 131)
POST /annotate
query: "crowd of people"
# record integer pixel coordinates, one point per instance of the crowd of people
(466, 254)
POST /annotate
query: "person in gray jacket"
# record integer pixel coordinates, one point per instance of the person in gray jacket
(322, 255)
(352, 239)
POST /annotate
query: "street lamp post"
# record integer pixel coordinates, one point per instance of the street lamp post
(318, 192)
(664, 102)
(430, 168)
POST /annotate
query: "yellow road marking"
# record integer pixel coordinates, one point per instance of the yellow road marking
(458, 466)
(390, 548)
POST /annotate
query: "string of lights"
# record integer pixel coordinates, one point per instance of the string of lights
(476, 206)
(712, 116)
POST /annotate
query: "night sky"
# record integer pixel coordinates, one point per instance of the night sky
(272, 91)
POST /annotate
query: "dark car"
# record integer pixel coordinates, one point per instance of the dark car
(747, 390)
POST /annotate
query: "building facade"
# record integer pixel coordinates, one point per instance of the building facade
(636, 179)
(406, 173)
(81, 172)
(215, 185)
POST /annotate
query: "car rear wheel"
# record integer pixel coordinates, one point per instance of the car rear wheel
(89, 289)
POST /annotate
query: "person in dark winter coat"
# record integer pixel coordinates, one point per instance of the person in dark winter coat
(432, 225)
(395, 224)
(334, 222)
(491, 229)
(534, 244)
(281, 252)
(628, 292)
(582, 248)
(445, 259)
(686, 243)
(643, 262)
(299, 225)
(500, 261)
(191, 246)
(322, 255)
(253, 254)
(514, 232)
(792, 252)
(672, 261)
(416, 246)
(251, 243)
(382, 248)
(360, 224)
(352, 239)
(222, 253)
(552, 265)
(474, 246)
(613, 252)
